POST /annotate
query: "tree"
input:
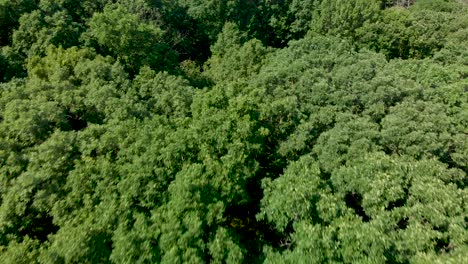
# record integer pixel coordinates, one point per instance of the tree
(416, 32)
(375, 209)
(10, 12)
(127, 38)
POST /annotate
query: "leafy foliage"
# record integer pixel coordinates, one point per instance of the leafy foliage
(233, 131)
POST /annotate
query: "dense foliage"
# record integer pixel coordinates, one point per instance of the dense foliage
(223, 131)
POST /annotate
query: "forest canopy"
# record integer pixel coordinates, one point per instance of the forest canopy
(232, 131)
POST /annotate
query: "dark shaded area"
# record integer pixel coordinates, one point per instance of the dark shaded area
(443, 245)
(76, 123)
(399, 202)
(186, 35)
(37, 225)
(101, 243)
(403, 223)
(9, 17)
(390, 254)
(253, 234)
(354, 201)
